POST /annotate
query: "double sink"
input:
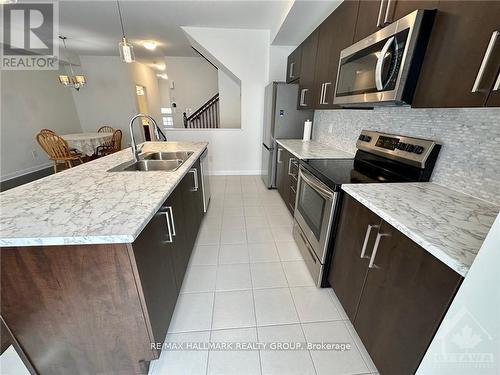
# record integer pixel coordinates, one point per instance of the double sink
(154, 161)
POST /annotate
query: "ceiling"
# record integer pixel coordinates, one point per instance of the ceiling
(93, 27)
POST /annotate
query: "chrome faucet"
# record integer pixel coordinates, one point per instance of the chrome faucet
(135, 150)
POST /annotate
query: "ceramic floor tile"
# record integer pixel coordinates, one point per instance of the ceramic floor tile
(259, 235)
(288, 251)
(199, 279)
(254, 211)
(205, 255)
(267, 275)
(297, 273)
(338, 305)
(282, 233)
(256, 222)
(233, 277)
(208, 237)
(233, 236)
(233, 254)
(233, 310)
(334, 361)
(193, 312)
(263, 252)
(279, 362)
(233, 210)
(232, 362)
(280, 220)
(274, 306)
(314, 305)
(182, 362)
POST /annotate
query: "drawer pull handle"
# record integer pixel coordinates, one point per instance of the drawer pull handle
(486, 59)
(375, 248)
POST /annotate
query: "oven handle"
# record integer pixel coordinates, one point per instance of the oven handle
(325, 193)
(380, 64)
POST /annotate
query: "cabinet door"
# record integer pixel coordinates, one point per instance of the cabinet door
(307, 93)
(459, 40)
(193, 204)
(280, 172)
(293, 172)
(154, 259)
(400, 8)
(368, 15)
(405, 296)
(348, 268)
(293, 65)
(335, 34)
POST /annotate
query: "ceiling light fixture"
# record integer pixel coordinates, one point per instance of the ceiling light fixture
(162, 76)
(73, 81)
(126, 49)
(5, 2)
(150, 44)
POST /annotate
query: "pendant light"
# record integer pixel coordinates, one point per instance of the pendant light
(126, 49)
(74, 81)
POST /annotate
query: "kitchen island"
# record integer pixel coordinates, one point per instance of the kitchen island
(92, 261)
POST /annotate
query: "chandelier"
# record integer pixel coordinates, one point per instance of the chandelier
(74, 81)
(126, 48)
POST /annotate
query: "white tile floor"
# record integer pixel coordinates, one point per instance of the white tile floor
(247, 282)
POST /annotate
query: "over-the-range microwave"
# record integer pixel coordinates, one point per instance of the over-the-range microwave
(383, 68)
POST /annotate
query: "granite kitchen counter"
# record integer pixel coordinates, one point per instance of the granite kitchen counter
(312, 150)
(448, 224)
(89, 205)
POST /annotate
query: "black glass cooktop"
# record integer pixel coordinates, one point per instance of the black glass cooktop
(335, 172)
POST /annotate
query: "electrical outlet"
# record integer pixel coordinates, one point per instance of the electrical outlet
(34, 154)
(330, 129)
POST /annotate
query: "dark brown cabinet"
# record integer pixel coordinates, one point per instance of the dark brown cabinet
(307, 94)
(335, 34)
(451, 75)
(286, 177)
(293, 65)
(400, 291)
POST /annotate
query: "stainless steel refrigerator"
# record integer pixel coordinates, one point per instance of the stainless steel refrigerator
(282, 120)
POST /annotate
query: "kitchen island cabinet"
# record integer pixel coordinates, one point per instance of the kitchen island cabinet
(91, 307)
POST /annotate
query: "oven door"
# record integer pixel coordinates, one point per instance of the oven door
(314, 208)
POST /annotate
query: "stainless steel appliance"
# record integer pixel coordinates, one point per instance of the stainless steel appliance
(383, 68)
(380, 157)
(205, 180)
(282, 120)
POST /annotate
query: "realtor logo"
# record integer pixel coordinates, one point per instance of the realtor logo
(29, 36)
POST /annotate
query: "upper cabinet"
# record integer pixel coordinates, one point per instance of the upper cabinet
(306, 98)
(462, 61)
(293, 65)
(335, 34)
(374, 15)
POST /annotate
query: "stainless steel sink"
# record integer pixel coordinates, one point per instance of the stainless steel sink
(155, 161)
(179, 155)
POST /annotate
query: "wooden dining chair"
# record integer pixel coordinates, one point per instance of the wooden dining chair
(105, 129)
(57, 149)
(116, 144)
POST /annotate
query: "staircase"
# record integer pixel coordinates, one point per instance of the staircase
(206, 117)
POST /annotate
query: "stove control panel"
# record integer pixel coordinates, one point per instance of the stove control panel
(408, 150)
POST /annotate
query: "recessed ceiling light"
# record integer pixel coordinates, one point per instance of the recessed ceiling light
(150, 44)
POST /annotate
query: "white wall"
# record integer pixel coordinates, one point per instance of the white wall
(195, 81)
(30, 101)
(246, 54)
(468, 340)
(278, 56)
(229, 101)
(143, 75)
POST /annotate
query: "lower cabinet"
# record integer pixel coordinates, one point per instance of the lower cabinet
(394, 291)
(286, 177)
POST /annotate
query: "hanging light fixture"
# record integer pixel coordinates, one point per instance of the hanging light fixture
(126, 49)
(74, 81)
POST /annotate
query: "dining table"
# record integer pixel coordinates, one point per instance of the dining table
(87, 143)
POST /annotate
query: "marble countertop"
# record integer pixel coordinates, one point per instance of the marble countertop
(313, 149)
(89, 205)
(448, 224)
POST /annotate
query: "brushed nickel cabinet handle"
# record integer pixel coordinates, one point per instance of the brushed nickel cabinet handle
(169, 228)
(279, 155)
(321, 95)
(367, 237)
(290, 166)
(486, 59)
(303, 97)
(292, 66)
(172, 219)
(389, 10)
(380, 13)
(375, 248)
(194, 171)
(325, 91)
(497, 83)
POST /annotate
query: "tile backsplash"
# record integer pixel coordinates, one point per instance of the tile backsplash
(469, 160)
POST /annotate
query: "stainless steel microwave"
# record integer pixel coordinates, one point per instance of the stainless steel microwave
(383, 68)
